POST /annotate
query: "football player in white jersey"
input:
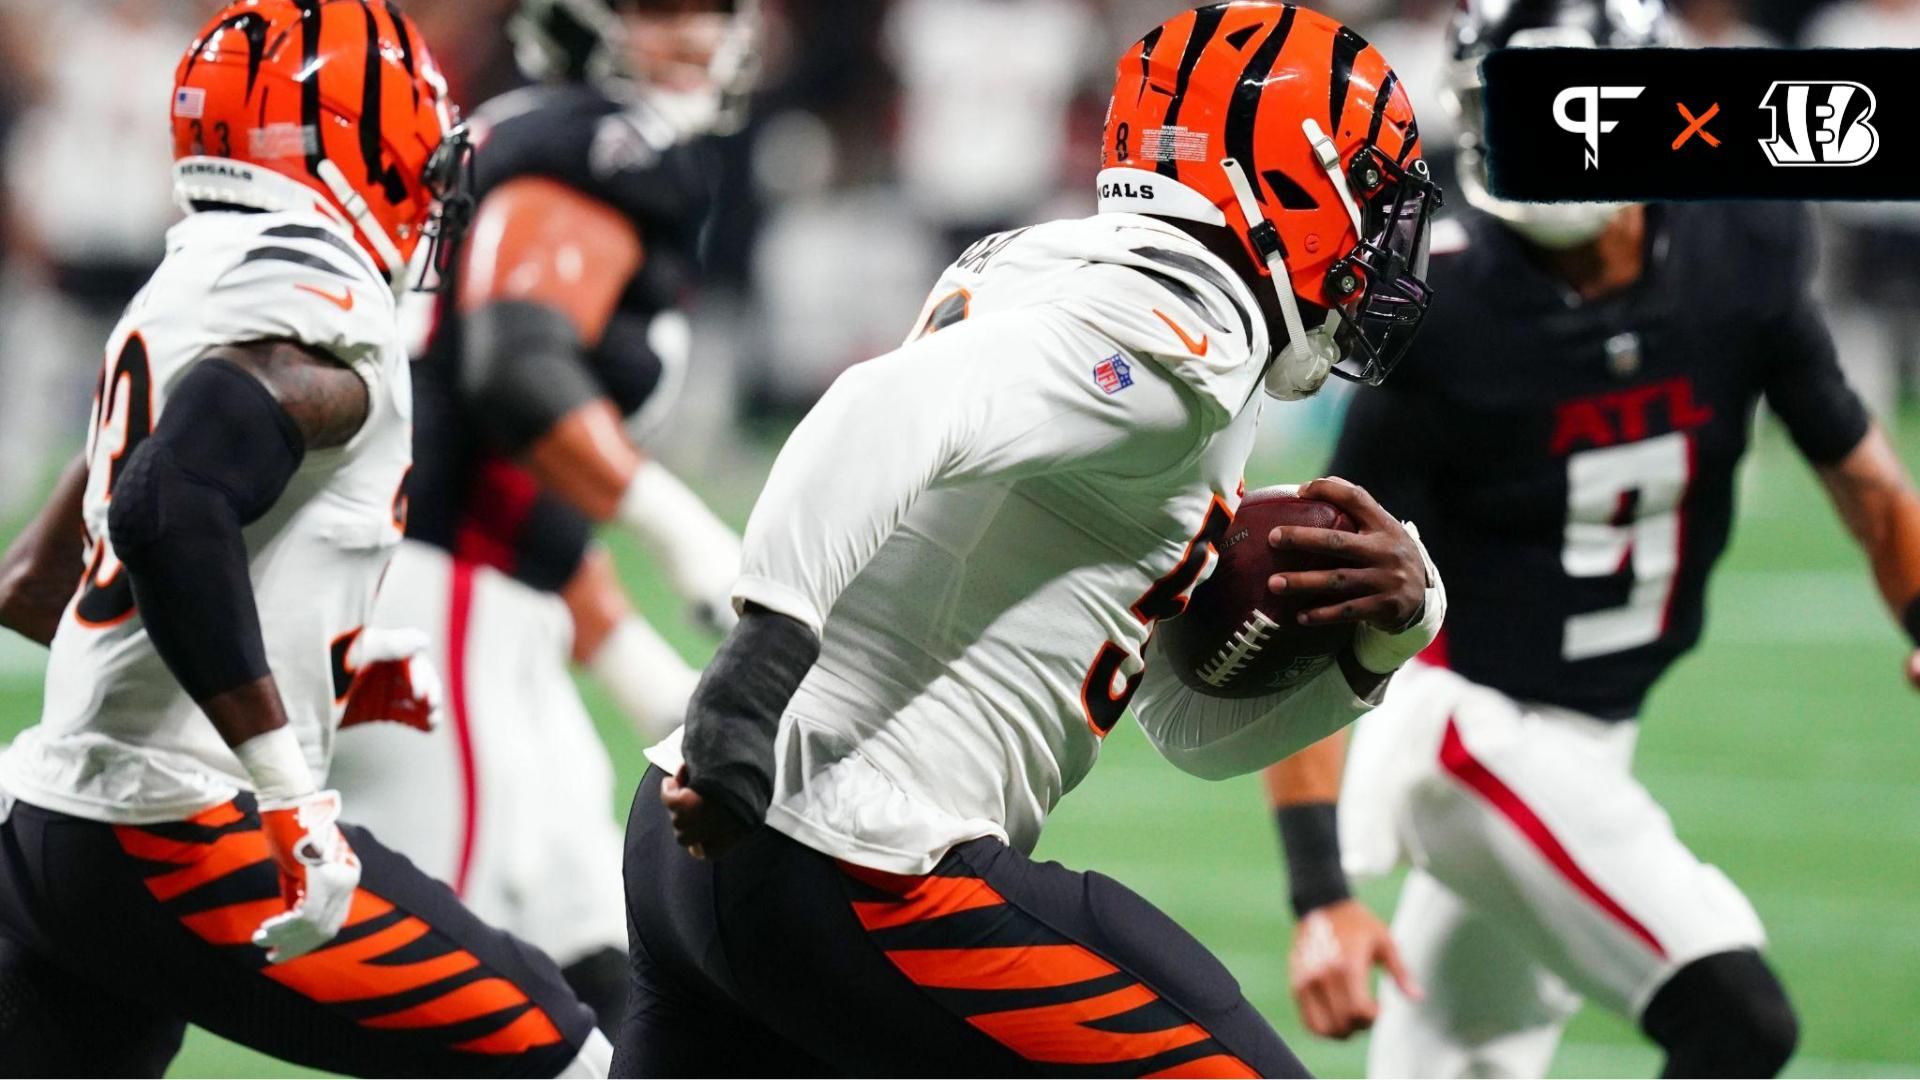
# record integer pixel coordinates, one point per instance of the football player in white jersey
(951, 581)
(167, 853)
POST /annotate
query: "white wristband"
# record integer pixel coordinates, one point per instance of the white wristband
(277, 765)
(1383, 653)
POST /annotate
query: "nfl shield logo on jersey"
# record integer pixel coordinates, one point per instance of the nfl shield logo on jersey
(1113, 374)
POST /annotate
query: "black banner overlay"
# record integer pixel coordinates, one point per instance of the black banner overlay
(1631, 125)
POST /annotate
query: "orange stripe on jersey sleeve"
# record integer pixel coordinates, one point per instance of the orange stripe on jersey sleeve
(1058, 1034)
(350, 972)
(928, 899)
(1213, 1065)
(530, 1030)
(1023, 967)
(457, 1006)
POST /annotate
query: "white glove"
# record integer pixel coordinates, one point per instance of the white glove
(318, 874)
(393, 679)
(1381, 652)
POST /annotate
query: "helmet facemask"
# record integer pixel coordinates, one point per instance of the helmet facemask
(1379, 286)
(448, 178)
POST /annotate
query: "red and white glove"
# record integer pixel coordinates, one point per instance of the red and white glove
(318, 870)
(393, 679)
(318, 874)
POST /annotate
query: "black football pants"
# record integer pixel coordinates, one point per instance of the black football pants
(114, 937)
(776, 960)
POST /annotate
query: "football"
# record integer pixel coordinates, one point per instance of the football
(1238, 639)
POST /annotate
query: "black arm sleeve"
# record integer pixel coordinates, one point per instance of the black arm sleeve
(736, 709)
(1387, 445)
(219, 459)
(523, 368)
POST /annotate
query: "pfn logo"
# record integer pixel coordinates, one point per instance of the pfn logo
(1820, 123)
(1588, 124)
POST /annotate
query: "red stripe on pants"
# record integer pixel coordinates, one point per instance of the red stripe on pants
(459, 610)
(1459, 761)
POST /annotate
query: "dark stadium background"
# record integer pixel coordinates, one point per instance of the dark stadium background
(1787, 749)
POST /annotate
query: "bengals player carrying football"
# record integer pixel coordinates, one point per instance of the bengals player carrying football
(167, 853)
(951, 583)
(1568, 432)
(563, 321)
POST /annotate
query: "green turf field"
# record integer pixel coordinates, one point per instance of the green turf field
(1787, 749)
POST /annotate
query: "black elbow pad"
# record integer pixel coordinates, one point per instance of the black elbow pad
(222, 430)
(521, 370)
(219, 459)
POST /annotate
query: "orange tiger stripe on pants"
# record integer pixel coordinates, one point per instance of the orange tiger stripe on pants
(1065, 1032)
(356, 968)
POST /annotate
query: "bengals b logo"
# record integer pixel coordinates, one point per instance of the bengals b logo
(1820, 123)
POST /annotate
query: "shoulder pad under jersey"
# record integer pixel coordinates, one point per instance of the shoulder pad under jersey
(1161, 294)
(293, 277)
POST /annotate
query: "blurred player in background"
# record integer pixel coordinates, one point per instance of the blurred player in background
(1567, 430)
(953, 575)
(166, 853)
(592, 188)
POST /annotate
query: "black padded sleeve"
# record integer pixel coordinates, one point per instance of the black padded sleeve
(736, 709)
(523, 370)
(219, 459)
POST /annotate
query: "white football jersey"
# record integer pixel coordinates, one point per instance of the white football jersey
(1057, 442)
(118, 739)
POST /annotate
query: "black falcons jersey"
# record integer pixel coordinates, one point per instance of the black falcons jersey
(1571, 464)
(621, 155)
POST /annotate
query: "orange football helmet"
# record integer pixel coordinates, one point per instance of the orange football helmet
(330, 105)
(1287, 128)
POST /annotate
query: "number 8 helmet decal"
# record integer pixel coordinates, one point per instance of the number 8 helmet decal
(334, 106)
(1287, 128)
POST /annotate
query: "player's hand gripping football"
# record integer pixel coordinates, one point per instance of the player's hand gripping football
(318, 874)
(1335, 949)
(700, 825)
(1389, 587)
(393, 679)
